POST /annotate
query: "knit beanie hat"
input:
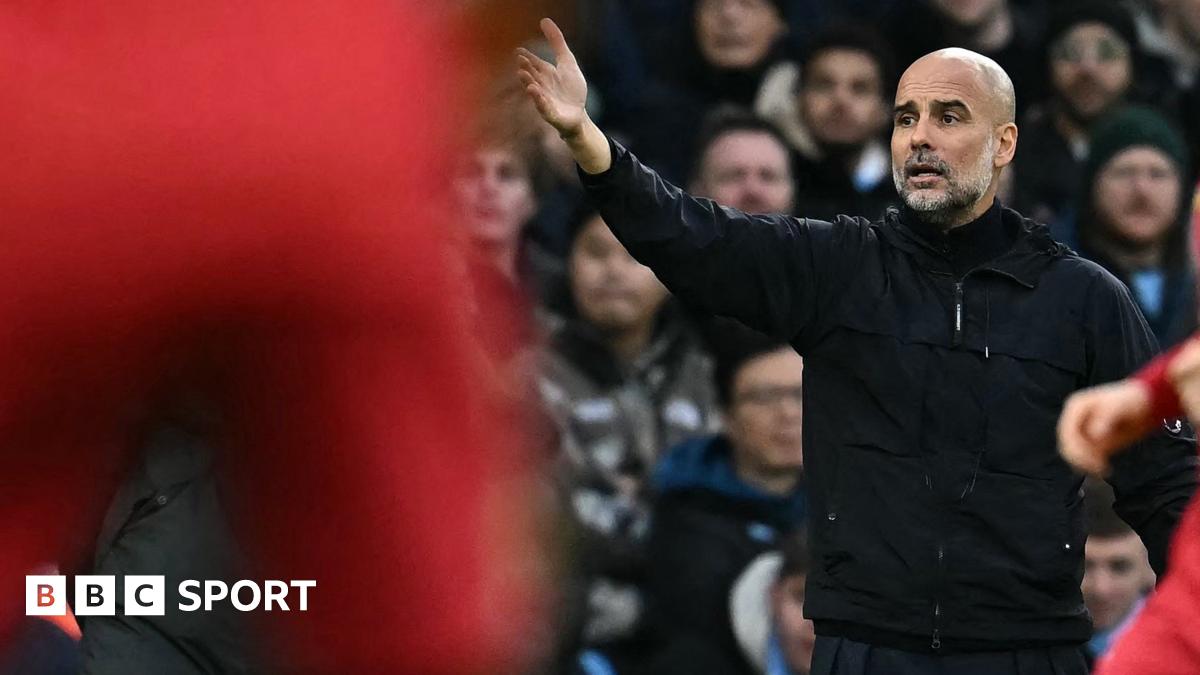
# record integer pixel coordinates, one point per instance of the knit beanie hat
(1068, 15)
(1129, 126)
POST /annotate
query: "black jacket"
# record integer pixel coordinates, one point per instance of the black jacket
(707, 526)
(167, 519)
(935, 370)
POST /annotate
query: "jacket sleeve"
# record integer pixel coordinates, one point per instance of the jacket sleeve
(771, 272)
(1154, 480)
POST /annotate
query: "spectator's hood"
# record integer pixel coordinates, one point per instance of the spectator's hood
(706, 464)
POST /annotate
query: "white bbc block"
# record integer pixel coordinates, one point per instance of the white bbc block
(145, 595)
(95, 595)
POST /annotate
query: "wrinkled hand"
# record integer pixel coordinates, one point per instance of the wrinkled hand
(558, 91)
(1098, 422)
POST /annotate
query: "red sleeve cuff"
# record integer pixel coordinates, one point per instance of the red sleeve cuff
(1164, 402)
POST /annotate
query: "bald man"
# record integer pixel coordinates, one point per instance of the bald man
(939, 346)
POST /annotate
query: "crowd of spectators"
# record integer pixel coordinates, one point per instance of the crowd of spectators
(678, 449)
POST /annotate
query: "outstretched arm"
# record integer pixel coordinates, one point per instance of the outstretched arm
(773, 273)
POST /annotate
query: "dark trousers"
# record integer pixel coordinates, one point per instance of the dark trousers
(838, 656)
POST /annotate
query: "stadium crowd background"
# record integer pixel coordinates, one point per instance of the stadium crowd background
(674, 440)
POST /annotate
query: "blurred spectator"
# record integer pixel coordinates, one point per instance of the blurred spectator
(843, 109)
(735, 38)
(624, 377)
(497, 186)
(744, 162)
(613, 37)
(497, 191)
(654, 24)
(1007, 32)
(661, 29)
(1133, 219)
(732, 46)
(1116, 572)
(1091, 60)
(767, 606)
(1175, 37)
(722, 501)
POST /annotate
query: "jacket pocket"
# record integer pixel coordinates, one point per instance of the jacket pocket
(1028, 383)
(877, 548)
(1013, 551)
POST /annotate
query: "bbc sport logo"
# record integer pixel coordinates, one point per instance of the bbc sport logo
(145, 595)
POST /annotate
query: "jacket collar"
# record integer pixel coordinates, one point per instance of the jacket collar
(1001, 241)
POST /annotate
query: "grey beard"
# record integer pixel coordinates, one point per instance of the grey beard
(948, 208)
(960, 196)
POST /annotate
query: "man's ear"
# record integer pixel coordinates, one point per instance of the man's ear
(1007, 146)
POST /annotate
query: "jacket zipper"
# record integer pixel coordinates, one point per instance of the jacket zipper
(936, 643)
(936, 640)
(958, 312)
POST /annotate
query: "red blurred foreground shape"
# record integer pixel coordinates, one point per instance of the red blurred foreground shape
(235, 195)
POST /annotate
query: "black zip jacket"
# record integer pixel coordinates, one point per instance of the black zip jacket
(935, 370)
(167, 519)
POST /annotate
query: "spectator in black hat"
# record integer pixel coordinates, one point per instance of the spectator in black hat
(1133, 216)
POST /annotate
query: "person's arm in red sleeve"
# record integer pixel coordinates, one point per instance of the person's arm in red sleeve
(1099, 422)
(1164, 399)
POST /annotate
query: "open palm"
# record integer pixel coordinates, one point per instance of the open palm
(559, 90)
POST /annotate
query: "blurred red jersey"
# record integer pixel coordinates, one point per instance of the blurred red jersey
(237, 193)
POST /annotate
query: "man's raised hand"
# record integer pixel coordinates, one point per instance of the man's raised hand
(558, 91)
